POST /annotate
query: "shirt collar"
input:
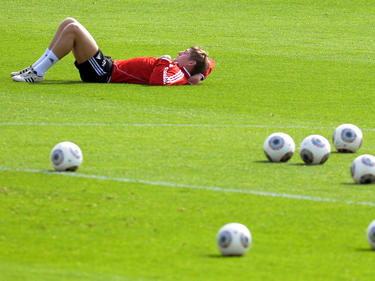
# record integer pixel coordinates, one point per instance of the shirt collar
(186, 72)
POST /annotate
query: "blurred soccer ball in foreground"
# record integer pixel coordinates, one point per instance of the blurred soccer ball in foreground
(233, 239)
(363, 169)
(371, 234)
(66, 156)
(315, 149)
(279, 147)
(347, 138)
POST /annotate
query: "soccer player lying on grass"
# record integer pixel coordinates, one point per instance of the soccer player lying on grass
(189, 67)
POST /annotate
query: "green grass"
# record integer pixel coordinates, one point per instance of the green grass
(301, 67)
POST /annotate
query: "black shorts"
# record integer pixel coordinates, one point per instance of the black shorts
(97, 69)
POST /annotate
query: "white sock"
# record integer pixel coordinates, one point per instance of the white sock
(46, 63)
(41, 58)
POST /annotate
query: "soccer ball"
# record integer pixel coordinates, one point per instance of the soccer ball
(66, 156)
(314, 149)
(363, 169)
(279, 147)
(233, 239)
(371, 234)
(347, 138)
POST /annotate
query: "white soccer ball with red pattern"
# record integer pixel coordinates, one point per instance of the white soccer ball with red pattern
(315, 149)
(233, 239)
(347, 138)
(279, 147)
(66, 156)
(363, 169)
(371, 234)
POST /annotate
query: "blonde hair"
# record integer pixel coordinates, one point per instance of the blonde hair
(200, 56)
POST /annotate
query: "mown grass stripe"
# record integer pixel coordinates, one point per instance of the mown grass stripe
(203, 125)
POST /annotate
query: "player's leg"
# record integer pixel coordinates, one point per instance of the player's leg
(57, 35)
(59, 31)
(72, 36)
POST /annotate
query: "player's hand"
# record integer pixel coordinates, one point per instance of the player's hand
(195, 79)
(167, 57)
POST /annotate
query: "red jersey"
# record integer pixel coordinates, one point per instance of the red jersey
(151, 71)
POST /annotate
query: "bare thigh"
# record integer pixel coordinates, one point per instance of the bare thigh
(74, 37)
(84, 46)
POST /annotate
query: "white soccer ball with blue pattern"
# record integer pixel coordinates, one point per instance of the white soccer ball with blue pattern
(347, 138)
(233, 239)
(66, 156)
(315, 149)
(363, 169)
(279, 147)
(371, 234)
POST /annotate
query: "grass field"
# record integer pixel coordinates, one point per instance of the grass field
(165, 167)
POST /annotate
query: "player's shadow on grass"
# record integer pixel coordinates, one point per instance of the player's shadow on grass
(60, 82)
(67, 82)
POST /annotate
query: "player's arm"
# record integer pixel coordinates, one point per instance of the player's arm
(165, 57)
(197, 78)
(166, 73)
(209, 70)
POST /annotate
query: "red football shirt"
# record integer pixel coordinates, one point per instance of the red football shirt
(151, 71)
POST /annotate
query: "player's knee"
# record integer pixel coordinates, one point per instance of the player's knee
(68, 21)
(72, 27)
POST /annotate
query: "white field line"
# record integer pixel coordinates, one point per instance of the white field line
(204, 125)
(189, 186)
(48, 272)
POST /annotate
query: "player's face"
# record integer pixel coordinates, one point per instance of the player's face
(183, 59)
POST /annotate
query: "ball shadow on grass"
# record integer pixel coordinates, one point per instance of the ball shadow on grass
(57, 172)
(369, 249)
(278, 163)
(218, 256)
(351, 184)
(263, 162)
(301, 164)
